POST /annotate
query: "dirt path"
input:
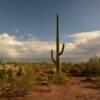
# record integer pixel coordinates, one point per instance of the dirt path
(75, 90)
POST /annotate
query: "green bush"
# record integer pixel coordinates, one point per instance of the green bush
(92, 66)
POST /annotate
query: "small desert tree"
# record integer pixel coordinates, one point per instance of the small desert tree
(93, 65)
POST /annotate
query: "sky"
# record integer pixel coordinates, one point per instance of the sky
(28, 27)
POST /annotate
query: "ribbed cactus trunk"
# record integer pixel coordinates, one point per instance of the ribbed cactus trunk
(58, 52)
(57, 48)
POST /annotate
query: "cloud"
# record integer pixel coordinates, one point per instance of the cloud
(84, 37)
(11, 47)
(84, 45)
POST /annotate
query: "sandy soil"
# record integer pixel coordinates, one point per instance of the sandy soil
(74, 90)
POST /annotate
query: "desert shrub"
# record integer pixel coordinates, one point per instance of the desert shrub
(55, 79)
(92, 66)
(96, 82)
(15, 77)
(77, 69)
(66, 67)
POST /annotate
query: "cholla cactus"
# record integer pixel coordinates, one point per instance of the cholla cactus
(20, 71)
(10, 70)
(3, 74)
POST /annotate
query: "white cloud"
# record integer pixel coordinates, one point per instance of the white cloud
(10, 46)
(85, 44)
(84, 37)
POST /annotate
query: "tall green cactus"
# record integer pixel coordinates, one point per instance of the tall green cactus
(58, 52)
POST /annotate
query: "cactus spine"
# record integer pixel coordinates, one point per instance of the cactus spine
(58, 52)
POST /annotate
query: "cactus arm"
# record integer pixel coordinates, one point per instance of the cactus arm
(52, 57)
(63, 46)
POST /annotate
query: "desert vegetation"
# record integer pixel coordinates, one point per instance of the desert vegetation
(19, 78)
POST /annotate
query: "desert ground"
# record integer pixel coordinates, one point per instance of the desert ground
(76, 89)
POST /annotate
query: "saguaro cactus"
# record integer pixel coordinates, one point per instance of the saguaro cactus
(58, 52)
